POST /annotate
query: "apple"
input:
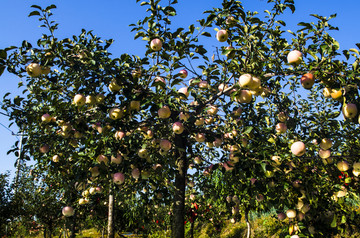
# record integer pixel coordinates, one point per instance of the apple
(117, 159)
(199, 122)
(118, 178)
(343, 166)
(197, 160)
(79, 100)
(222, 87)
(91, 100)
(135, 173)
(46, 118)
(83, 201)
(282, 116)
(185, 91)
(307, 80)
(324, 154)
(356, 166)
(92, 190)
(95, 171)
(178, 127)
(56, 158)
(156, 44)
(291, 213)
(212, 111)
(135, 105)
(34, 70)
(350, 110)
(200, 137)
(356, 173)
(145, 174)
(136, 73)
(159, 79)
(78, 135)
(231, 52)
(114, 86)
(235, 210)
(164, 112)
(143, 153)
(100, 98)
(183, 73)
(298, 148)
(184, 116)
(294, 236)
(281, 216)
(281, 128)
(327, 92)
(45, 70)
(294, 57)
(119, 135)
(102, 159)
(246, 81)
(260, 197)
(245, 96)
(222, 35)
(336, 94)
(44, 148)
(68, 211)
(116, 113)
(165, 144)
(149, 134)
(217, 142)
(230, 20)
(326, 143)
(203, 84)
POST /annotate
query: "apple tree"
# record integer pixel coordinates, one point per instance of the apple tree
(264, 109)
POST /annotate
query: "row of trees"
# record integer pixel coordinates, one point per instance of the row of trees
(258, 122)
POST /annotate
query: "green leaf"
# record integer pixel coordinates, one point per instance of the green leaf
(334, 222)
(36, 6)
(3, 54)
(34, 13)
(52, 6)
(207, 34)
(248, 130)
(354, 50)
(343, 219)
(2, 68)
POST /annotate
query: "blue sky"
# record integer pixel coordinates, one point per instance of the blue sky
(110, 19)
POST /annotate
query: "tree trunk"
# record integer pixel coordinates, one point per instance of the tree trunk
(247, 223)
(111, 233)
(73, 223)
(178, 226)
(192, 229)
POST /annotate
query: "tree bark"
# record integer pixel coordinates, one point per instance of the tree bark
(247, 223)
(111, 233)
(178, 226)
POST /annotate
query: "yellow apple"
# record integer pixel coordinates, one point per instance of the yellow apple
(116, 113)
(326, 143)
(79, 100)
(350, 110)
(222, 35)
(164, 112)
(34, 70)
(245, 96)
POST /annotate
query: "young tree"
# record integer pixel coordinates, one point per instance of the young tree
(253, 109)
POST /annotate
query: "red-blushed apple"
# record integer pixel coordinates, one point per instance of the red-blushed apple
(203, 84)
(118, 178)
(100, 98)
(217, 142)
(282, 116)
(102, 159)
(79, 100)
(294, 57)
(116, 113)
(298, 148)
(46, 118)
(135, 173)
(291, 213)
(164, 112)
(68, 211)
(295, 236)
(281, 128)
(281, 216)
(165, 144)
(200, 137)
(185, 91)
(149, 134)
(183, 73)
(143, 153)
(245, 96)
(156, 44)
(324, 154)
(184, 116)
(34, 70)
(326, 143)
(135, 105)
(178, 127)
(56, 158)
(307, 80)
(44, 148)
(246, 81)
(222, 35)
(343, 166)
(350, 110)
(119, 135)
(117, 159)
